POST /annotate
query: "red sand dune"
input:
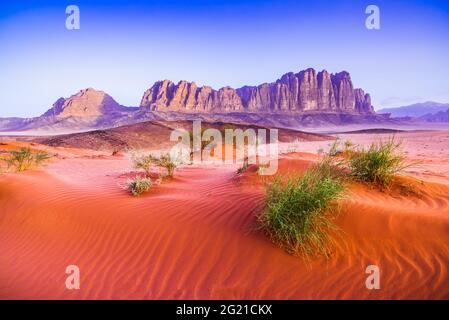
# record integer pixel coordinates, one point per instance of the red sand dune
(194, 238)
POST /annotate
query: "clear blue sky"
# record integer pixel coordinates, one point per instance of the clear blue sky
(125, 46)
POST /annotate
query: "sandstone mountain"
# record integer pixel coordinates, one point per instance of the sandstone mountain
(87, 103)
(87, 109)
(303, 92)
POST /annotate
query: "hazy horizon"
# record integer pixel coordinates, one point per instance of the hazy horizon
(123, 47)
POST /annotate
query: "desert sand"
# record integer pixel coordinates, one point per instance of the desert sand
(194, 237)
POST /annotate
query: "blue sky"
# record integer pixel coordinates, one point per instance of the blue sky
(123, 47)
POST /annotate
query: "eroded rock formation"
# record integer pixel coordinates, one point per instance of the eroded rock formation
(306, 91)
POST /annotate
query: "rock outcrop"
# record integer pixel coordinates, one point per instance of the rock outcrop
(87, 103)
(303, 92)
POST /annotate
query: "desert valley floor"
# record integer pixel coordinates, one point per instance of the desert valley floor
(194, 237)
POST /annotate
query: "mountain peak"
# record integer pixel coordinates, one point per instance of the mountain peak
(86, 103)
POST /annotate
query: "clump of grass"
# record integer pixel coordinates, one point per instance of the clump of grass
(299, 211)
(334, 149)
(138, 185)
(378, 163)
(142, 161)
(24, 159)
(164, 161)
(146, 161)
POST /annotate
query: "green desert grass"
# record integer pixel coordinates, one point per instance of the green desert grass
(165, 161)
(138, 185)
(25, 159)
(141, 161)
(378, 164)
(146, 161)
(300, 211)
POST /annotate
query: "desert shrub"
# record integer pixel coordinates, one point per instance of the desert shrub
(142, 161)
(348, 144)
(138, 185)
(164, 161)
(299, 211)
(24, 159)
(146, 161)
(41, 157)
(378, 163)
(335, 149)
(332, 164)
(244, 167)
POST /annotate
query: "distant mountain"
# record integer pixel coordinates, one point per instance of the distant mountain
(442, 116)
(87, 109)
(416, 110)
(307, 98)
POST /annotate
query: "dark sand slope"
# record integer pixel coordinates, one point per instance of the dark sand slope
(156, 134)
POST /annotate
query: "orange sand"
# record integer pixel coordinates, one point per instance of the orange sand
(194, 238)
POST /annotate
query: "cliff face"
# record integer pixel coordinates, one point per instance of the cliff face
(306, 91)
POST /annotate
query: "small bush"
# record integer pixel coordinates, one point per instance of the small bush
(164, 161)
(141, 161)
(146, 161)
(138, 185)
(298, 214)
(24, 159)
(244, 167)
(377, 164)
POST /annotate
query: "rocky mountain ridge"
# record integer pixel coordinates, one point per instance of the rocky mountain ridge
(306, 91)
